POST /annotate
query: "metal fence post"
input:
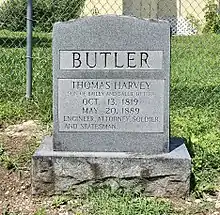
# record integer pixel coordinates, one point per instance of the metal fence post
(29, 49)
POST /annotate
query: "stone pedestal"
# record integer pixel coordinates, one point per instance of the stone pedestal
(164, 175)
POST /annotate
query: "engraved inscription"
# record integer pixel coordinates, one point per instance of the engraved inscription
(74, 60)
(120, 105)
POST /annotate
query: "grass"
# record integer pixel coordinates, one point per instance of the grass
(13, 105)
(194, 108)
(5, 160)
(195, 102)
(21, 158)
(107, 201)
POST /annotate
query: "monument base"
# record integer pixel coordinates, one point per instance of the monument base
(155, 175)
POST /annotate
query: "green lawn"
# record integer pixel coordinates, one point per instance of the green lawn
(195, 102)
(195, 96)
(13, 105)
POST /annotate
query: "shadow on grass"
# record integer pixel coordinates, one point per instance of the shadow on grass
(20, 42)
(191, 149)
(176, 142)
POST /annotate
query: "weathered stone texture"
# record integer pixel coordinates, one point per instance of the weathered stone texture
(42, 175)
(159, 175)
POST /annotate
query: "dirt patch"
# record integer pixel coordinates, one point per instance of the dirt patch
(18, 137)
(16, 198)
(15, 191)
(15, 184)
(17, 144)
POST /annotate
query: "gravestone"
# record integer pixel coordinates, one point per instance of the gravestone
(111, 86)
(111, 78)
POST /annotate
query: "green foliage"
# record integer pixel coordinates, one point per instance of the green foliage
(195, 23)
(60, 200)
(40, 211)
(13, 15)
(2, 150)
(45, 13)
(119, 202)
(13, 105)
(195, 101)
(212, 17)
(14, 162)
(5, 160)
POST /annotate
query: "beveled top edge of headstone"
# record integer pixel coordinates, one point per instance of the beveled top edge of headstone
(97, 17)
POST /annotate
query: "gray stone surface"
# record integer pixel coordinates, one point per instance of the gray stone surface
(140, 8)
(112, 34)
(158, 175)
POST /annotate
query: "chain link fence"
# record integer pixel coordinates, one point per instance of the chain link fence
(187, 17)
(190, 18)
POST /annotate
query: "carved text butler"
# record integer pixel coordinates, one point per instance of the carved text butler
(96, 59)
(106, 60)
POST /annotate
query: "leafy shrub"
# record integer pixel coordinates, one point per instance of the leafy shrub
(45, 13)
(13, 15)
(212, 17)
(195, 22)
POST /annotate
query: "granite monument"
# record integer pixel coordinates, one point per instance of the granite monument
(111, 79)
